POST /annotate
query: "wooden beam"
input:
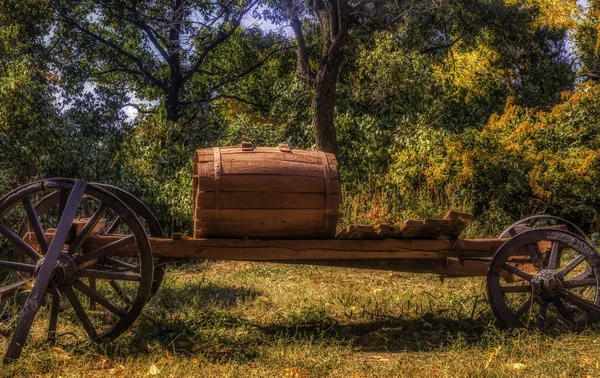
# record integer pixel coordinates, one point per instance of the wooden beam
(332, 249)
(446, 267)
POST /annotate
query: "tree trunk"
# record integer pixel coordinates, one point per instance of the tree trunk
(323, 104)
(172, 104)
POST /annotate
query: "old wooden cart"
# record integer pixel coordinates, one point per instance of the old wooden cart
(94, 254)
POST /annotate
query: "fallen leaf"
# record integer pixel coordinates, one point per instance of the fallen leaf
(101, 358)
(153, 370)
(516, 366)
(62, 355)
(293, 373)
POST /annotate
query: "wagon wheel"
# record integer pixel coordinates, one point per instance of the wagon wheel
(55, 272)
(562, 291)
(541, 221)
(50, 203)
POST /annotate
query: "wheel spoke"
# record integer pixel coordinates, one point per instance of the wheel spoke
(119, 276)
(97, 297)
(62, 203)
(533, 255)
(516, 289)
(35, 223)
(512, 231)
(113, 226)
(580, 283)
(86, 206)
(54, 309)
(584, 304)
(80, 312)
(92, 282)
(523, 308)
(120, 292)
(564, 313)
(105, 250)
(517, 272)
(19, 243)
(122, 264)
(572, 265)
(19, 267)
(87, 229)
(555, 253)
(11, 290)
(36, 296)
(541, 317)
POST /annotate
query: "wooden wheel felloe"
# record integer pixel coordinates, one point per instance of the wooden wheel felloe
(45, 269)
(541, 221)
(50, 205)
(557, 282)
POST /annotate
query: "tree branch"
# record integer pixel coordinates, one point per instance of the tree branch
(211, 46)
(138, 108)
(138, 61)
(249, 69)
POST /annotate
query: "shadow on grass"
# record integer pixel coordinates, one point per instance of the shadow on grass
(197, 319)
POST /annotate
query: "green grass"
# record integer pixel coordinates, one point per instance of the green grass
(242, 319)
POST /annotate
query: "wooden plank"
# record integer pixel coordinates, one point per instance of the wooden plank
(356, 232)
(459, 220)
(255, 249)
(265, 200)
(261, 167)
(407, 230)
(382, 231)
(274, 183)
(330, 249)
(262, 215)
(433, 228)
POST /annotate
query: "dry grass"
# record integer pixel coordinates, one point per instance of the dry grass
(239, 319)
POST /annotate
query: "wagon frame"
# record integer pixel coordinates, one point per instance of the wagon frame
(530, 271)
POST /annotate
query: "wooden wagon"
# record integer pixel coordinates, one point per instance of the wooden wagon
(100, 251)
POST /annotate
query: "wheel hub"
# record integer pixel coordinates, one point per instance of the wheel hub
(64, 273)
(547, 284)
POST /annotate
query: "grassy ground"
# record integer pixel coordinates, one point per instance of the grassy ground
(240, 319)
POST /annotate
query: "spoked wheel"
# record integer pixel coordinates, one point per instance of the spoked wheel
(557, 281)
(45, 269)
(542, 221)
(48, 206)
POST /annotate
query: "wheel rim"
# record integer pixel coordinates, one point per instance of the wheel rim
(61, 275)
(541, 221)
(545, 278)
(144, 214)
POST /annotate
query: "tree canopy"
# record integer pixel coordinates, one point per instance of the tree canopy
(487, 105)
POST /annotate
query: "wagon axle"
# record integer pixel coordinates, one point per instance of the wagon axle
(64, 273)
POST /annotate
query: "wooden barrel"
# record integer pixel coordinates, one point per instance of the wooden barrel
(265, 192)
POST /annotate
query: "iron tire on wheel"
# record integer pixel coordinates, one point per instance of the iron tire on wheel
(57, 266)
(152, 225)
(561, 288)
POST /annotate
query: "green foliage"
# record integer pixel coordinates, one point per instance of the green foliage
(522, 162)
(587, 38)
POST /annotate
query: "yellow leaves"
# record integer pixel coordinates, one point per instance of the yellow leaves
(516, 366)
(469, 70)
(293, 372)
(152, 370)
(61, 354)
(552, 14)
(492, 356)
